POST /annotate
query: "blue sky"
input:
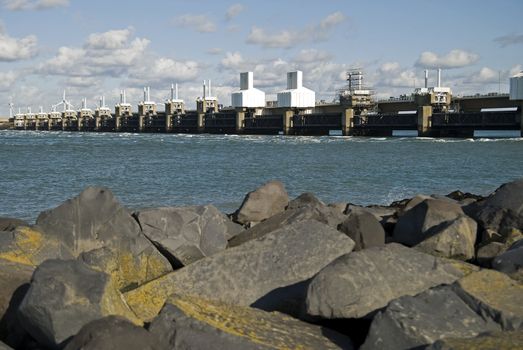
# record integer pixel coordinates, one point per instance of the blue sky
(98, 47)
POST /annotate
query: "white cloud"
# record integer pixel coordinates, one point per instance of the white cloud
(291, 38)
(389, 67)
(113, 39)
(164, 70)
(23, 5)
(454, 59)
(7, 79)
(233, 11)
(311, 55)
(200, 23)
(214, 51)
(14, 49)
(484, 75)
(232, 60)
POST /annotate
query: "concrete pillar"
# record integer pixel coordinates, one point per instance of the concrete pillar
(201, 122)
(49, 124)
(141, 123)
(346, 121)
(287, 122)
(117, 123)
(240, 121)
(37, 121)
(25, 124)
(521, 116)
(97, 123)
(168, 122)
(79, 120)
(424, 116)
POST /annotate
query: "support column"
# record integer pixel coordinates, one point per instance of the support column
(201, 122)
(49, 124)
(63, 124)
(79, 120)
(346, 121)
(240, 121)
(424, 124)
(287, 122)
(168, 122)
(97, 122)
(141, 123)
(37, 121)
(117, 123)
(25, 124)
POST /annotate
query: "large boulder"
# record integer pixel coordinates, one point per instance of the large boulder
(453, 239)
(187, 234)
(9, 224)
(493, 294)
(501, 212)
(261, 204)
(322, 213)
(305, 200)
(94, 219)
(188, 322)
(485, 341)
(412, 321)
(63, 296)
(358, 284)
(511, 261)
(364, 229)
(270, 271)
(414, 225)
(4, 346)
(113, 333)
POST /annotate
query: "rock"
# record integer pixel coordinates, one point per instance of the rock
(364, 229)
(486, 253)
(305, 200)
(454, 239)
(266, 201)
(186, 234)
(29, 246)
(4, 346)
(9, 224)
(113, 333)
(358, 284)
(417, 199)
(188, 322)
(501, 211)
(494, 295)
(63, 296)
(323, 214)
(511, 261)
(412, 321)
(94, 219)
(341, 207)
(486, 341)
(270, 271)
(462, 196)
(413, 225)
(14, 282)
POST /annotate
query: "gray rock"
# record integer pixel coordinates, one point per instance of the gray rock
(94, 219)
(341, 207)
(413, 225)
(411, 321)
(187, 322)
(187, 234)
(270, 271)
(454, 239)
(9, 224)
(65, 295)
(304, 200)
(323, 214)
(511, 261)
(364, 229)
(417, 199)
(487, 252)
(266, 201)
(4, 346)
(113, 333)
(486, 341)
(493, 295)
(358, 284)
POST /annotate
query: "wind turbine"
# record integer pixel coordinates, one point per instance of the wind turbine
(11, 106)
(64, 103)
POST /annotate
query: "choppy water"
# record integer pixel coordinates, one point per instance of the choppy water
(39, 170)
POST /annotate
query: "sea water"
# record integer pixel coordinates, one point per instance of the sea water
(39, 169)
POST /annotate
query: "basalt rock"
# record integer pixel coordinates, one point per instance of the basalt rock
(63, 296)
(453, 239)
(486, 341)
(358, 284)
(94, 219)
(188, 322)
(187, 234)
(266, 201)
(113, 333)
(269, 272)
(412, 321)
(511, 261)
(9, 224)
(364, 229)
(414, 225)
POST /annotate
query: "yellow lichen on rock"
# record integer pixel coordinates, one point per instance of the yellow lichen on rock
(270, 329)
(494, 289)
(490, 341)
(26, 244)
(147, 300)
(113, 303)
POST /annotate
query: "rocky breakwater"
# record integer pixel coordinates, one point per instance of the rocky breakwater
(435, 272)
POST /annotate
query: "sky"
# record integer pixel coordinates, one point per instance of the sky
(93, 48)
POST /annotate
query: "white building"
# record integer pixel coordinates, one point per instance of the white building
(248, 96)
(296, 95)
(516, 87)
